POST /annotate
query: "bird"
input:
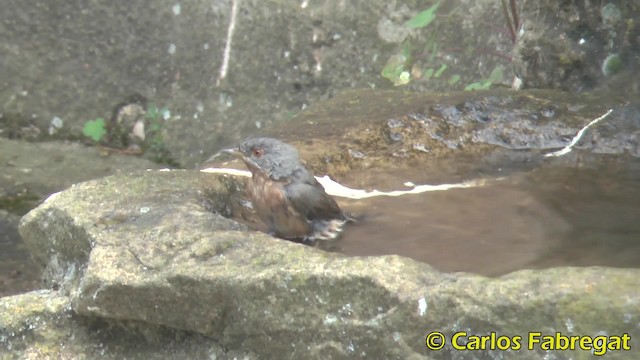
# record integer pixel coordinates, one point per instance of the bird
(285, 194)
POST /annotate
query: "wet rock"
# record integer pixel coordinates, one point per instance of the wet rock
(569, 46)
(307, 53)
(394, 128)
(35, 324)
(31, 171)
(34, 170)
(178, 266)
(357, 154)
(619, 135)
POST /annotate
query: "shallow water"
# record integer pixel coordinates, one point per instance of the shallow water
(551, 216)
(554, 215)
(18, 272)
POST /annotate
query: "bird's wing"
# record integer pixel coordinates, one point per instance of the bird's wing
(308, 197)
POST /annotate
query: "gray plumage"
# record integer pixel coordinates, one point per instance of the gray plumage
(307, 208)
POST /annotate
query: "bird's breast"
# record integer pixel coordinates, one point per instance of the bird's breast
(273, 207)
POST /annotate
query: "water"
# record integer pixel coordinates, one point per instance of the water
(543, 216)
(547, 217)
(18, 272)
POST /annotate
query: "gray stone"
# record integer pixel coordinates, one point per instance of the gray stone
(68, 62)
(42, 325)
(33, 170)
(517, 124)
(567, 47)
(152, 248)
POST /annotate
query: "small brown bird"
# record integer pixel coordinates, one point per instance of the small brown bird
(285, 194)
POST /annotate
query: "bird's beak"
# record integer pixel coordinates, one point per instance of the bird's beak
(235, 152)
(232, 151)
(253, 167)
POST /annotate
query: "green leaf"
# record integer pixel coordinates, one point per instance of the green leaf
(480, 85)
(154, 126)
(496, 75)
(403, 79)
(152, 111)
(406, 51)
(95, 129)
(440, 71)
(424, 18)
(428, 74)
(454, 79)
(394, 68)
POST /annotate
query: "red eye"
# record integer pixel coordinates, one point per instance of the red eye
(257, 152)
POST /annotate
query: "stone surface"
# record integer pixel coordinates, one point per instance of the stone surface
(153, 248)
(368, 130)
(373, 129)
(75, 61)
(565, 45)
(31, 171)
(42, 325)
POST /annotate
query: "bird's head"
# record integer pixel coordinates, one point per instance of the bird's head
(268, 156)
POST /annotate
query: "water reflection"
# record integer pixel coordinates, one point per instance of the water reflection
(552, 216)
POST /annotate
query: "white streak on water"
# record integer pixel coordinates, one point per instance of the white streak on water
(336, 189)
(576, 138)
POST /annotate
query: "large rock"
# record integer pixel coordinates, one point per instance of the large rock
(35, 324)
(373, 129)
(577, 45)
(34, 170)
(154, 248)
(31, 171)
(75, 61)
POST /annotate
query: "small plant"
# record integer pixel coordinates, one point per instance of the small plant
(156, 145)
(395, 68)
(398, 68)
(424, 18)
(95, 129)
(154, 113)
(495, 77)
(155, 118)
(421, 58)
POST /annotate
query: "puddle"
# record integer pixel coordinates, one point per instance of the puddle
(18, 272)
(542, 218)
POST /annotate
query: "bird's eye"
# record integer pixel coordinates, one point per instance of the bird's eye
(257, 152)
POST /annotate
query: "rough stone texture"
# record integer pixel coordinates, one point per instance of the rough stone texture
(76, 60)
(31, 171)
(42, 325)
(147, 248)
(564, 44)
(373, 129)
(363, 130)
